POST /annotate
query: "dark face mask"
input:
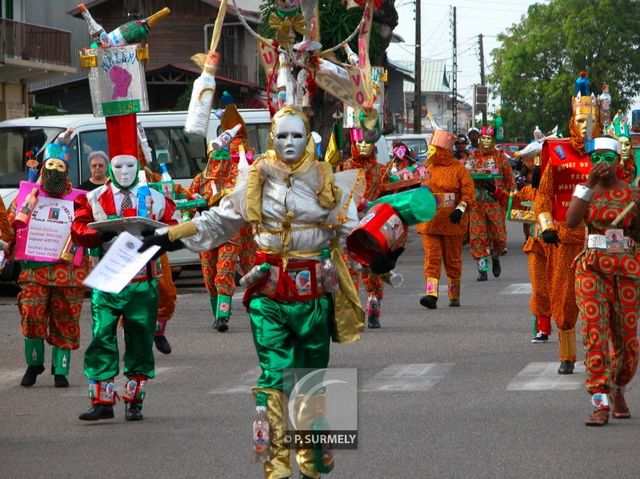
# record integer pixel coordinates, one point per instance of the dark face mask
(54, 182)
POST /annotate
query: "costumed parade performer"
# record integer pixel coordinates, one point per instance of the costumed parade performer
(217, 180)
(300, 212)
(51, 290)
(619, 129)
(565, 163)
(606, 283)
(494, 181)
(118, 92)
(137, 303)
(537, 251)
(363, 157)
(442, 238)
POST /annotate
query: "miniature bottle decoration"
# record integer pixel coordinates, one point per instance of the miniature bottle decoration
(95, 29)
(24, 215)
(134, 31)
(225, 137)
(202, 97)
(605, 105)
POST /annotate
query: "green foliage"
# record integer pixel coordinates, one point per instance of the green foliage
(539, 59)
(183, 100)
(40, 109)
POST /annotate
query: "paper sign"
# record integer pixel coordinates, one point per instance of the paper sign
(119, 265)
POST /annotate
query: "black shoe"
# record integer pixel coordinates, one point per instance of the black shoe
(495, 267)
(29, 378)
(454, 303)
(133, 411)
(429, 301)
(482, 276)
(162, 344)
(540, 338)
(96, 412)
(566, 367)
(60, 381)
(373, 322)
(221, 324)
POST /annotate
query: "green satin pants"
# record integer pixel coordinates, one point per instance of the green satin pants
(290, 335)
(138, 305)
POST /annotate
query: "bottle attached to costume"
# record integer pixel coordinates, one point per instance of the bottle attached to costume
(133, 32)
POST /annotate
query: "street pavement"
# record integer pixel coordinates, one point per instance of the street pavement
(445, 393)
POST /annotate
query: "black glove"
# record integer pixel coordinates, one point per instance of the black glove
(456, 216)
(384, 263)
(106, 236)
(200, 209)
(535, 177)
(490, 187)
(160, 240)
(550, 237)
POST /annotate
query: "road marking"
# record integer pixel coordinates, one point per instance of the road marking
(517, 288)
(240, 384)
(407, 377)
(10, 378)
(545, 377)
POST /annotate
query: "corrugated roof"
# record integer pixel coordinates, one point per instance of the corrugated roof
(434, 76)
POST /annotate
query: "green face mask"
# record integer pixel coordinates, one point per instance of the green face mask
(608, 157)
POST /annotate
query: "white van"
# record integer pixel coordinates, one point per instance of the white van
(185, 154)
(417, 142)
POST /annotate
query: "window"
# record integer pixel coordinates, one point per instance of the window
(9, 10)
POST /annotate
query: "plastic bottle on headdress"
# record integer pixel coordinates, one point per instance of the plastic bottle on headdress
(95, 29)
(202, 97)
(145, 200)
(225, 137)
(243, 164)
(144, 144)
(605, 105)
(582, 84)
(284, 82)
(537, 134)
(134, 31)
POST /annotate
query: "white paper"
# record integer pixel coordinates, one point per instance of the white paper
(120, 264)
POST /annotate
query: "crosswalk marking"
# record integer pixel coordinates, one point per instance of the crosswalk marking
(407, 377)
(545, 377)
(240, 384)
(517, 288)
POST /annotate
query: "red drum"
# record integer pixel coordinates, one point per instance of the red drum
(380, 231)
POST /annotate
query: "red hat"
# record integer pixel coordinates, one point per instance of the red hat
(487, 131)
(443, 139)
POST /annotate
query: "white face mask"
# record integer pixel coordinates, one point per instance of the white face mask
(289, 138)
(124, 169)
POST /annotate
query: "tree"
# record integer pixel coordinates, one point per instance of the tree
(539, 59)
(336, 23)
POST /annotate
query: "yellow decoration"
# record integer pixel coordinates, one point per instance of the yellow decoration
(183, 230)
(142, 53)
(88, 60)
(285, 27)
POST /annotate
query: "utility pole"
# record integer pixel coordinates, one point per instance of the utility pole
(454, 80)
(417, 85)
(484, 112)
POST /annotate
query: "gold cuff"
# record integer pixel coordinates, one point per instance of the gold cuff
(183, 230)
(545, 221)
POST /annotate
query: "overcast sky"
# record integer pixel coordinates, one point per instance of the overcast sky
(487, 17)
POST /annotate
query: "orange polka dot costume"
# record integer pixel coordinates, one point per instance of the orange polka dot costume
(50, 298)
(606, 288)
(219, 265)
(453, 188)
(487, 227)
